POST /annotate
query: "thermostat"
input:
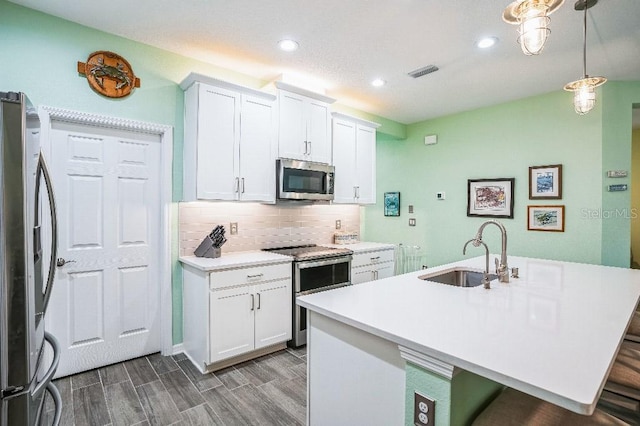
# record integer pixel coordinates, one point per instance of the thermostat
(431, 139)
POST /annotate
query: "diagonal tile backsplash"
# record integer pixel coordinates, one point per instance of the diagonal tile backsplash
(262, 225)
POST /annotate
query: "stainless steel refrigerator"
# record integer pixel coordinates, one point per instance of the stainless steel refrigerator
(27, 209)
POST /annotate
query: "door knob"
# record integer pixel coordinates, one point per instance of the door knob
(61, 262)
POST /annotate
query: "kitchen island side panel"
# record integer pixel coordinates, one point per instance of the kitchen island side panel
(354, 377)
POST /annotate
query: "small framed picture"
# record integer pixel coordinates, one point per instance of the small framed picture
(545, 182)
(490, 197)
(545, 218)
(392, 204)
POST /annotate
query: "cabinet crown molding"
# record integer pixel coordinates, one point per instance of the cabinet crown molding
(304, 92)
(193, 78)
(358, 120)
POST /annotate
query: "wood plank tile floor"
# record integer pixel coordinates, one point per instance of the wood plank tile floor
(157, 390)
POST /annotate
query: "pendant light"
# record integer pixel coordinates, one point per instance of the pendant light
(584, 90)
(532, 18)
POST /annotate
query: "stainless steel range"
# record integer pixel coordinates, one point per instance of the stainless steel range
(315, 269)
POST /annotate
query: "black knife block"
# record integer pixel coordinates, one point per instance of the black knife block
(206, 249)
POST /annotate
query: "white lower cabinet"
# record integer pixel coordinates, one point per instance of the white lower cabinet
(232, 312)
(247, 318)
(372, 265)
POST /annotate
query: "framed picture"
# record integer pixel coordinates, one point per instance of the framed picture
(392, 204)
(545, 182)
(545, 218)
(490, 197)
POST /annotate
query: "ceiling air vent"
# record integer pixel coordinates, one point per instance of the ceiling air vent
(423, 71)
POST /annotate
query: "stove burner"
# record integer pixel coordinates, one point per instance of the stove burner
(310, 252)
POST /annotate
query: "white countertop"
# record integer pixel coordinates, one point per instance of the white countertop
(362, 247)
(552, 333)
(235, 260)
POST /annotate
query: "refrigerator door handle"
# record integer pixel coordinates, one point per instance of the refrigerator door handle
(43, 171)
(57, 401)
(46, 379)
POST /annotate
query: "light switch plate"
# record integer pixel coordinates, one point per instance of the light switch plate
(412, 222)
(410, 208)
(617, 173)
(440, 195)
(233, 228)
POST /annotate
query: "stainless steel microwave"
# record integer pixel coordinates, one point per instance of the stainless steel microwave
(304, 180)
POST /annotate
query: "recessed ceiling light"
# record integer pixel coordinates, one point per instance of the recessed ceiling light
(378, 82)
(486, 42)
(288, 45)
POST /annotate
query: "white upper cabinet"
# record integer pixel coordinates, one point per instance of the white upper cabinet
(229, 141)
(354, 157)
(305, 124)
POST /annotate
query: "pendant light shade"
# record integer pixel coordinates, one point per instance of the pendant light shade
(584, 90)
(584, 93)
(532, 18)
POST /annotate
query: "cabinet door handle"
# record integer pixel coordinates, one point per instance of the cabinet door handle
(373, 259)
(237, 186)
(258, 300)
(355, 192)
(309, 142)
(242, 180)
(251, 277)
(306, 147)
(253, 302)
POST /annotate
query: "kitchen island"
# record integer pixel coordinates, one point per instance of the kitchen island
(552, 333)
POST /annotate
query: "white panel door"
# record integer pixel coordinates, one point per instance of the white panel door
(273, 313)
(319, 131)
(385, 270)
(366, 169)
(361, 275)
(217, 148)
(257, 153)
(105, 302)
(231, 322)
(344, 160)
(293, 126)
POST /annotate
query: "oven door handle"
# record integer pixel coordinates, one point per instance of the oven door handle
(316, 290)
(304, 264)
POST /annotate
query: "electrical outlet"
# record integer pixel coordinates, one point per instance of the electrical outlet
(412, 222)
(338, 224)
(233, 228)
(424, 410)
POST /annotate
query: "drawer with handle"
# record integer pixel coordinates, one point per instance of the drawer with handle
(373, 257)
(249, 275)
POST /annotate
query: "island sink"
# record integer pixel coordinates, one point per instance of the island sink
(458, 277)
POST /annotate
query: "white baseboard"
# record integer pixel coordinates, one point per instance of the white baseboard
(177, 349)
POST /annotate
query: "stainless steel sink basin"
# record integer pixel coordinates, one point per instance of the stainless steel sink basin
(457, 277)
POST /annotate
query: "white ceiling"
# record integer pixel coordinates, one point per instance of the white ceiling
(346, 44)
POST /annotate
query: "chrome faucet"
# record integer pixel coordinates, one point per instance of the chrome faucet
(485, 275)
(502, 268)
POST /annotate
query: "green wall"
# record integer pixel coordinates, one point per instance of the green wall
(457, 401)
(40, 53)
(635, 195)
(618, 100)
(497, 141)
